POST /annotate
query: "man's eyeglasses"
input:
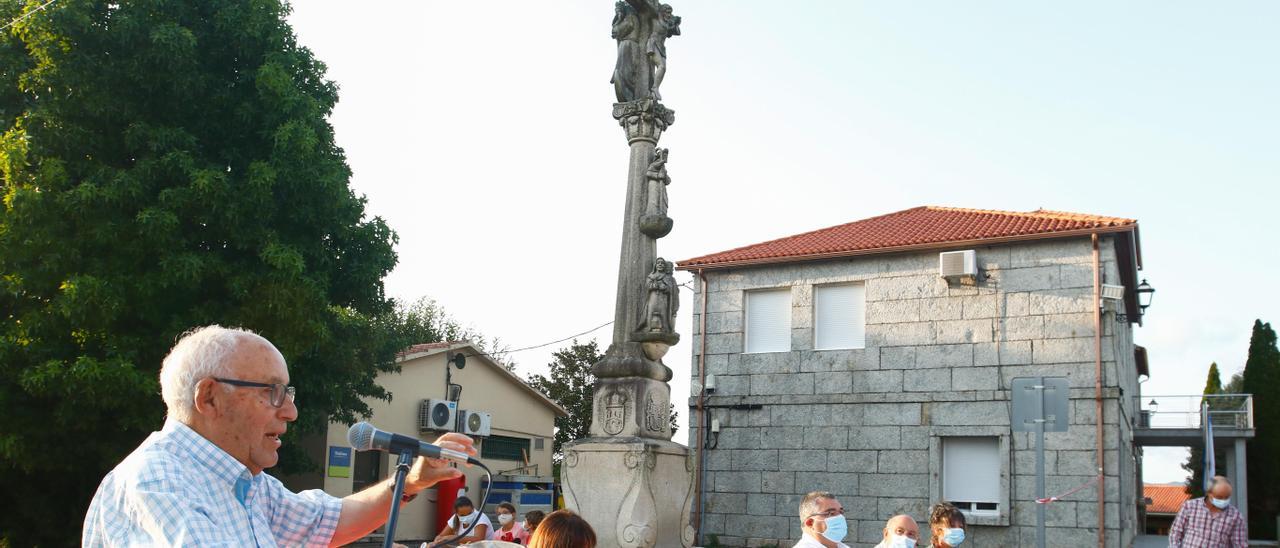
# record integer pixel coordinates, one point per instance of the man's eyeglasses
(278, 390)
(828, 514)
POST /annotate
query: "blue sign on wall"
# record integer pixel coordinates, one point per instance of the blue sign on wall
(339, 462)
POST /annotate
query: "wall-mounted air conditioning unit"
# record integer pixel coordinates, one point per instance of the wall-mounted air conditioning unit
(959, 266)
(474, 423)
(437, 415)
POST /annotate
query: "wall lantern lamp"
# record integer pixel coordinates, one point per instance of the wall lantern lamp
(1144, 292)
(1147, 414)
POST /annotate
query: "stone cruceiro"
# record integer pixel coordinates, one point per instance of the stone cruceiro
(628, 479)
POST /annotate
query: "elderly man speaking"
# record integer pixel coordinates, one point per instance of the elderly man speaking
(199, 481)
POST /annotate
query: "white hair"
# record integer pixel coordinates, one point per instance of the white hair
(199, 354)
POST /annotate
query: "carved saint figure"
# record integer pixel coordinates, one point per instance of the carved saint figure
(655, 223)
(664, 298)
(641, 28)
(658, 181)
(630, 79)
(665, 26)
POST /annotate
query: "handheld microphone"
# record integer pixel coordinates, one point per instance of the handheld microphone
(364, 437)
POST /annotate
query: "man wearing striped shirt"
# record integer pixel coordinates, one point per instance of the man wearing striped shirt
(1209, 522)
(199, 481)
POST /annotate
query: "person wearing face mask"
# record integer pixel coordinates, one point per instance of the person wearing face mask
(822, 522)
(946, 526)
(464, 512)
(532, 519)
(1209, 522)
(900, 531)
(508, 530)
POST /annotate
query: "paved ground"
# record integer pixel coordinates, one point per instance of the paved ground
(1151, 541)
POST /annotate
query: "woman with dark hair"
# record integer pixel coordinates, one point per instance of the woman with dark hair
(465, 512)
(946, 526)
(563, 529)
(508, 530)
(532, 518)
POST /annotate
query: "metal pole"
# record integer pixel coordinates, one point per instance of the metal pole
(1242, 481)
(1040, 494)
(402, 470)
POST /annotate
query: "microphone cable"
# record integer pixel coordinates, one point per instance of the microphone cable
(488, 486)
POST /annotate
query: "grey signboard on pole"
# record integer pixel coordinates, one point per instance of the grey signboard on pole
(1040, 405)
(1040, 400)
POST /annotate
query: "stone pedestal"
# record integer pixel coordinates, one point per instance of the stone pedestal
(635, 492)
(631, 407)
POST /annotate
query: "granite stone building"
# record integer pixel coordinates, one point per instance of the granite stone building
(872, 360)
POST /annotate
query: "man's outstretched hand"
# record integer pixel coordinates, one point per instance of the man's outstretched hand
(427, 472)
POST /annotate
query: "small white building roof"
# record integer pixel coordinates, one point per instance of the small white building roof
(471, 351)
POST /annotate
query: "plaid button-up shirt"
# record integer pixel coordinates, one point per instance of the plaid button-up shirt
(1197, 527)
(179, 489)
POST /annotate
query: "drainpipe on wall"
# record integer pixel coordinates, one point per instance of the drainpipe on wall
(702, 395)
(1097, 391)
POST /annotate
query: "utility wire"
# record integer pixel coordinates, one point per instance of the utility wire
(685, 285)
(28, 14)
(501, 352)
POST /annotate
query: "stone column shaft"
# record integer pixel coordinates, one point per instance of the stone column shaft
(638, 250)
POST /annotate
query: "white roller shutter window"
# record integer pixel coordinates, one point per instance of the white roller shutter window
(769, 320)
(971, 469)
(839, 314)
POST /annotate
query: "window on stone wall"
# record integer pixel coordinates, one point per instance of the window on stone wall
(971, 473)
(839, 316)
(768, 320)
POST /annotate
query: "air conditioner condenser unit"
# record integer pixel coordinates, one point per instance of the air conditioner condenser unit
(475, 423)
(437, 415)
(961, 266)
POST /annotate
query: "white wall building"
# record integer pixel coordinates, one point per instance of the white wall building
(522, 428)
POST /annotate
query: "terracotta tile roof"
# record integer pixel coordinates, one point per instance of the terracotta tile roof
(1165, 499)
(917, 228)
(427, 346)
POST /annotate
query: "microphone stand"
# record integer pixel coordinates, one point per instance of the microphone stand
(402, 470)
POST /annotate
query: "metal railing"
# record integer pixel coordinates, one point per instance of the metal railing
(1225, 411)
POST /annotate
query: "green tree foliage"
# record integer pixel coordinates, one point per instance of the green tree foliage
(167, 164)
(425, 321)
(675, 419)
(1262, 379)
(1213, 384)
(570, 384)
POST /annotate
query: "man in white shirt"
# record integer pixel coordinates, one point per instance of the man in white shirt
(822, 521)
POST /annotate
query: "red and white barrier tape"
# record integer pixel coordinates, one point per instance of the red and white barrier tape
(1060, 497)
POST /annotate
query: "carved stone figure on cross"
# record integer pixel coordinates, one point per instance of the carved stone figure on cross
(664, 298)
(641, 28)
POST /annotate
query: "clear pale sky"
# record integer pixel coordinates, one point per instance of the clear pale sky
(482, 132)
